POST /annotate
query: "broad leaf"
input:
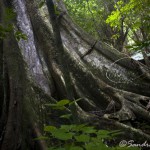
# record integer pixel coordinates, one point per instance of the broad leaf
(63, 102)
(66, 116)
(76, 148)
(88, 130)
(62, 134)
(82, 138)
(49, 128)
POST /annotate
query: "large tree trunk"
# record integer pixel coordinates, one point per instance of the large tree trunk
(1, 67)
(64, 62)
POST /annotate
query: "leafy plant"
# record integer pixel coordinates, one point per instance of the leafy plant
(138, 45)
(5, 30)
(41, 4)
(76, 136)
(61, 105)
(9, 15)
(85, 11)
(19, 35)
(132, 15)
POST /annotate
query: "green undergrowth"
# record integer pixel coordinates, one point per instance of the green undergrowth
(75, 136)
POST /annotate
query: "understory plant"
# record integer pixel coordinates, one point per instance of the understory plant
(74, 136)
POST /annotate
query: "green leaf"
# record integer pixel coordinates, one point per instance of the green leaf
(66, 127)
(19, 35)
(66, 116)
(41, 4)
(62, 134)
(54, 148)
(54, 106)
(59, 107)
(115, 133)
(9, 14)
(59, 104)
(74, 101)
(76, 148)
(41, 138)
(88, 130)
(82, 138)
(96, 146)
(49, 128)
(63, 102)
(101, 134)
(5, 30)
(78, 127)
(125, 148)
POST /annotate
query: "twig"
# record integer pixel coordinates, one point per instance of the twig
(89, 51)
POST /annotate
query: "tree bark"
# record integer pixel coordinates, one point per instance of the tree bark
(112, 76)
(104, 78)
(1, 67)
(98, 79)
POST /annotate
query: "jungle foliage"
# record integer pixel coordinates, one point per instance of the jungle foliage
(78, 136)
(121, 21)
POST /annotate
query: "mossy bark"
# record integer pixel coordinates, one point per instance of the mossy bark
(102, 76)
(19, 102)
(113, 76)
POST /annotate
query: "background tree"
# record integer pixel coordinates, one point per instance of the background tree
(91, 16)
(135, 15)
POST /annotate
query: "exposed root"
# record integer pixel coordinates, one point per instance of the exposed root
(37, 133)
(131, 129)
(123, 115)
(90, 81)
(131, 106)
